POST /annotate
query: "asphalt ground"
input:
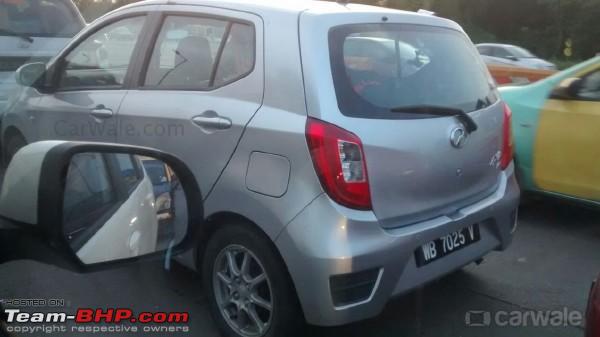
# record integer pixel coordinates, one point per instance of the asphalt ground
(546, 271)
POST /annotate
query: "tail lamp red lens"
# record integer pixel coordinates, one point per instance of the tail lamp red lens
(339, 161)
(507, 139)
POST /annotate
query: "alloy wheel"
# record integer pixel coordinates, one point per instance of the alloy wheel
(243, 291)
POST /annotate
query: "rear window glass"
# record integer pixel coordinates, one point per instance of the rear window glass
(380, 67)
(39, 18)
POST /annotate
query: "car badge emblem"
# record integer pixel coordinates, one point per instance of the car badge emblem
(458, 137)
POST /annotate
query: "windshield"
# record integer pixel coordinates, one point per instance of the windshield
(39, 18)
(379, 68)
(520, 52)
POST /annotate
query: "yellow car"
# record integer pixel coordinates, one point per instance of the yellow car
(556, 128)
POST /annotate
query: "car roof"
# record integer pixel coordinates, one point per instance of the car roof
(314, 7)
(495, 45)
(271, 5)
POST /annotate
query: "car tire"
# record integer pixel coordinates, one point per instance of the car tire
(232, 299)
(9, 148)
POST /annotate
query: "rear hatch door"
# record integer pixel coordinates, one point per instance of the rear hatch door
(391, 81)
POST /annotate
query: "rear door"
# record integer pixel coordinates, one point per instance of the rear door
(567, 150)
(200, 83)
(420, 165)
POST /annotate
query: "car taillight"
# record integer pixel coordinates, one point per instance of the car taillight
(507, 138)
(339, 160)
(592, 318)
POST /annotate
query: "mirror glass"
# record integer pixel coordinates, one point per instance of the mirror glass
(28, 74)
(120, 205)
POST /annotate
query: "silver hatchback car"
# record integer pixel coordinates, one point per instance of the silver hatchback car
(346, 153)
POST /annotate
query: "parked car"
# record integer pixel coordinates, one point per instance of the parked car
(32, 31)
(555, 124)
(333, 181)
(513, 55)
(511, 75)
(592, 317)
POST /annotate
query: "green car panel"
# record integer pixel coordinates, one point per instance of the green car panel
(527, 104)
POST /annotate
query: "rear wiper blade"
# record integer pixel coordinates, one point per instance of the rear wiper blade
(440, 111)
(22, 36)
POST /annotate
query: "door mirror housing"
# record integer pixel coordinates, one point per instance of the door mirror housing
(511, 57)
(30, 74)
(567, 89)
(84, 206)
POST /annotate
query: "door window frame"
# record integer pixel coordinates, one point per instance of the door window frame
(586, 75)
(59, 66)
(150, 44)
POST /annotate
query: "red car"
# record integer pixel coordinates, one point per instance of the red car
(593, 311)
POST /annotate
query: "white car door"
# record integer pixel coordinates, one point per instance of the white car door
(109, 208)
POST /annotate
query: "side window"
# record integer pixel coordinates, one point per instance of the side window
(89, 193)
(130, 171)
(102, 59)
(185, 53)
(188, 49)
(501, 52)
(238, 54)
(590, 86)
(484, 50)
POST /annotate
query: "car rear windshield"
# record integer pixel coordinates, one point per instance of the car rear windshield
(39, 18)
(378, 68)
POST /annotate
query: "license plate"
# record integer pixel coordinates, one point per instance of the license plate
(447, 244)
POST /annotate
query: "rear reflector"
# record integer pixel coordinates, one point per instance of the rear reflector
(348, 289)
(339, 161)
(507, 139)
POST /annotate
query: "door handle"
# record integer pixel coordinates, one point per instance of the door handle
(101, 112)
(211, 120)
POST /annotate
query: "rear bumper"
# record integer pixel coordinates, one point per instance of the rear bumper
(327, 240)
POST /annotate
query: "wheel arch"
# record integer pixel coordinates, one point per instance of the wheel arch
(227, 218)
(11, 131)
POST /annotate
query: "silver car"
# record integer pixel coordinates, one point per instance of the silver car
(32, 31)
(506, 54)
(335, 175)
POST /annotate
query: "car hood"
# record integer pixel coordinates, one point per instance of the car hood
(40, 47)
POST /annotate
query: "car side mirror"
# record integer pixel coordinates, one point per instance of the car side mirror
(567, 89)
(88, 205)
(29, 74)
(511, 57)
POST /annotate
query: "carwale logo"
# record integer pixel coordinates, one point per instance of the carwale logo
(478, 318)
(524, 318)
